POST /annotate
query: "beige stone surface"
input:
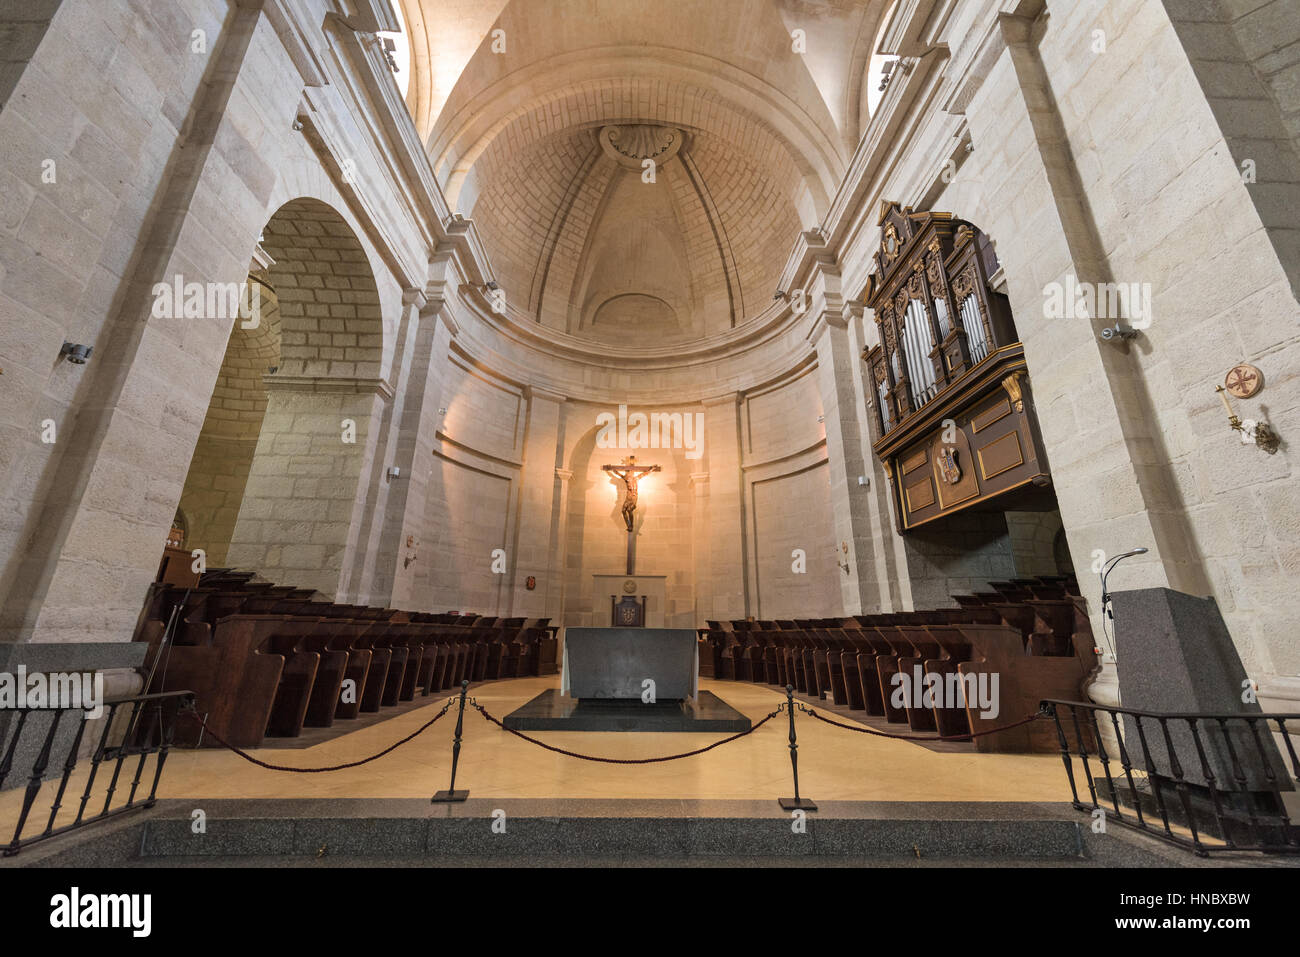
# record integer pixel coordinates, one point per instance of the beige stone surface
(1100, 140)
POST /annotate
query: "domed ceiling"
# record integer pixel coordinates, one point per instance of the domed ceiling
(639, 172)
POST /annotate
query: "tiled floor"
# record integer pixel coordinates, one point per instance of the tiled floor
(834, 764)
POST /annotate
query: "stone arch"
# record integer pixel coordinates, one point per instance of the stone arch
(223, 456)
(302, 504)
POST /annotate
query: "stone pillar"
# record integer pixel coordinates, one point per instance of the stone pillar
(557, 572)
(1099, 429)
(727, 580)
(536, 518)
(893, 587)
(844, 452)
(85, 516)
(703, 553)
(301, 513)
(403, 544)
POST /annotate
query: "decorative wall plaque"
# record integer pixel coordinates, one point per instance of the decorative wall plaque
(1244, 381)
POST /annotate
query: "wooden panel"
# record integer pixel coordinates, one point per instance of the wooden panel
(916, 461)
(920, 495)
(993, 413)
(1001, 455)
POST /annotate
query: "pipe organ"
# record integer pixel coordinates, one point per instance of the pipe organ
(952, 407)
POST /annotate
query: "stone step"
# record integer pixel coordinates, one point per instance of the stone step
(559, 832)
(603, 837)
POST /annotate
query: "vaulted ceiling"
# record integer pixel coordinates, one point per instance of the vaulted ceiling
(540, 117)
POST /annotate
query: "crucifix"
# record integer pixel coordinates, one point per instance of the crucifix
(631, 474)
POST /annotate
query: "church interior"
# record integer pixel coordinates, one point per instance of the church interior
(592, 432)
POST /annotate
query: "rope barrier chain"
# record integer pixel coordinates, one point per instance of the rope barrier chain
(337, 767)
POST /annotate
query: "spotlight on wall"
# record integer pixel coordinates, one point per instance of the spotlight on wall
(779, 294)
(864, 481)
(77, 354)
(1118, 331)
(492, 285)
(393, 472)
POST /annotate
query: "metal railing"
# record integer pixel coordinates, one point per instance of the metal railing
(1203, 782)
(147, 731)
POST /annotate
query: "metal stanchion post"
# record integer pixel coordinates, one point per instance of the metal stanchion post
(451, 794)
(796, 802)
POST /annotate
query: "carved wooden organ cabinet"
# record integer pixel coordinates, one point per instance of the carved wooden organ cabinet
(953, 415)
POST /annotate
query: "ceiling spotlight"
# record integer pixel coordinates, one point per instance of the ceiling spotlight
(77, 354)
(492, 285)
(778, 295)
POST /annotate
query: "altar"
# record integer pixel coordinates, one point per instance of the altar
(617, 662)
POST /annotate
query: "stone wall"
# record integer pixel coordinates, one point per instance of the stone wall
(1106, 160)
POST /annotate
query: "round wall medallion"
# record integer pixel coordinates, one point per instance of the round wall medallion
(629, 586)
(1244, 381)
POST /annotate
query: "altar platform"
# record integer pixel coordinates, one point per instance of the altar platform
(552, 711)
(628, 679)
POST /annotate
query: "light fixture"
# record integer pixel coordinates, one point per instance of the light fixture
(1118, 331)
(779, 294)
(886, 71)
(393, 472)
(77, 354)
(1107, 613)
(492, 285)
(1251, 430)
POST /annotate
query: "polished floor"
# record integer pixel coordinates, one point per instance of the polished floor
(834, 764)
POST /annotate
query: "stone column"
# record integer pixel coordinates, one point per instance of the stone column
(893, 588)
(397, 562)
(301, 513)
(844, 452)
(1100, 431)
(536, 518)
(727, 578)
(703, 553)
(557, 571)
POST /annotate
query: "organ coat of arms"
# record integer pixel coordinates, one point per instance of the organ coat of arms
(948, 466)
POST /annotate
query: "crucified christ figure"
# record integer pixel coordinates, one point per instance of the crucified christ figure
(631, 474)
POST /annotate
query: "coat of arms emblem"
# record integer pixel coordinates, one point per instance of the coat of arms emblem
(948, 466)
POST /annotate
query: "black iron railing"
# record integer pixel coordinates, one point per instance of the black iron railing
(133, 730)
(1204, 782)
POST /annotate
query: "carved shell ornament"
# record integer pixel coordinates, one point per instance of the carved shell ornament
(631, 145)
